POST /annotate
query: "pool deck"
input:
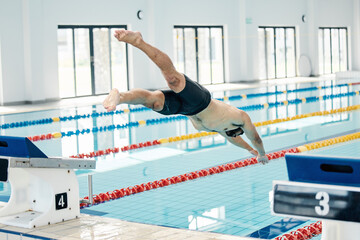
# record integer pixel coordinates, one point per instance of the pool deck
(94, 227)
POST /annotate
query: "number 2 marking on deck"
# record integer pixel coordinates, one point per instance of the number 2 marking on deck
(324, 207)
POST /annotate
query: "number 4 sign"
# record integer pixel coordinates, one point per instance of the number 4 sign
(61, 201)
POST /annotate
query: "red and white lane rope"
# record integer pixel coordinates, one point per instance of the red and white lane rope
(304, 233)
(119, 193)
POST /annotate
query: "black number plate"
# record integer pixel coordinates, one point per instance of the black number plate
(317, 201)
(61, 201)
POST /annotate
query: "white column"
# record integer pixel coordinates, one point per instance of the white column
(312, 36)
(33, 49)
(12, 53)
(1, 79)
(354, 47)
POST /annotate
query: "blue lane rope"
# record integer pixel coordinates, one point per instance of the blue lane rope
(142, 109)
(162, 120)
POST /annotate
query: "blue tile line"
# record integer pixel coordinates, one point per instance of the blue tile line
(92, 212)
(276, 229)
(25, 235)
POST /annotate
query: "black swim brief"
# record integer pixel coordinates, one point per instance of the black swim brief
(190, 101)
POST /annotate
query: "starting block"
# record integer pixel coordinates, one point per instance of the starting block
(44, 190)
(321, 187)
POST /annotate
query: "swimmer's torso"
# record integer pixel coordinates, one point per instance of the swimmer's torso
(217, 117)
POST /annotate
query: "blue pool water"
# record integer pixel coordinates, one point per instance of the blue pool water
(235, 202)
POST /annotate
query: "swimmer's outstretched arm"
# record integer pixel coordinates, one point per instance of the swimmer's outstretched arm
(253, 136)
(238, 141)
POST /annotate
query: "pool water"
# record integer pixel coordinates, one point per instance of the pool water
(235, 202)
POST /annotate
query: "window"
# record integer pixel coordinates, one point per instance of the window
(277, 52)
(199, 53)
(91, 61)
(333, 50)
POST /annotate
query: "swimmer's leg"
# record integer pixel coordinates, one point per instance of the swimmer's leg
(151, 99)
(174, 79)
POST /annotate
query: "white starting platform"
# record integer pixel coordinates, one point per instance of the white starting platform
(44, 190)
(321, 188)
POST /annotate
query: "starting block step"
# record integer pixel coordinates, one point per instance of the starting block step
(44, 190)
(343, 171)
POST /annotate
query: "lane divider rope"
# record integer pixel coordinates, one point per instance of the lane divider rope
(304, 233)
(179, 118)
(206, 134)
(141, 109)
(119, 193)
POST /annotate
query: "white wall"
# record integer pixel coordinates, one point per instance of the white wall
(28, 35)
(271, 13)
(1, 82)
(12, 51)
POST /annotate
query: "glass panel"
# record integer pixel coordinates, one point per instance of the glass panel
(82, 60)
(280, 52)
(335, 50)
(327, 51)
(270, 52)
(121, 136)
(118, 64)
(321, 51)
(262, 53)
(85, 141)
(190, 54)
(217, 61)
(179, 58)
(290, 52)
(66, 63)
(103, 139)
(204, 56)
(343, 50)
(102, 60)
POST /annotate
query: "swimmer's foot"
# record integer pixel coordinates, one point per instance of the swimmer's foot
(133, 38)
(112, 100)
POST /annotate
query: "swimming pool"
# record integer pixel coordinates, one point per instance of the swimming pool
(235, 202)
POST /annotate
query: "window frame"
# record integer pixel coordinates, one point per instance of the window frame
(285, 46)
(196, 27)
(331, 49)
(91, 52)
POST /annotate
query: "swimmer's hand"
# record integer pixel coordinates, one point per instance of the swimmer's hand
(262, 159)
(112, 100)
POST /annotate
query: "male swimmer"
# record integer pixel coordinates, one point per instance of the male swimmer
(188, 98)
